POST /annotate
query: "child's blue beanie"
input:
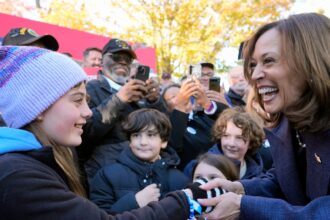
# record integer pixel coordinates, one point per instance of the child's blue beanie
(31, 80)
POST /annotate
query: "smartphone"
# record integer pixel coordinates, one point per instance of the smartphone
(214, 84)
(195, 71)
(142, 73)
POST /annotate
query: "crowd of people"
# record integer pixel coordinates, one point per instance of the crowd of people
(124, 147)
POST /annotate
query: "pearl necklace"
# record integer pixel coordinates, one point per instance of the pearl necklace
(301, 144)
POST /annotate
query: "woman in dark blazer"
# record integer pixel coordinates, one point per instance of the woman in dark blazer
(288, 64)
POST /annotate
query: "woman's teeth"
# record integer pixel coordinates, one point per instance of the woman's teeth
(265, 90)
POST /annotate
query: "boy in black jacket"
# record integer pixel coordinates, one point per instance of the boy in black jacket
(145, 172)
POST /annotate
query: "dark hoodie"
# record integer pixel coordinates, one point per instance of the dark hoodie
(32, 186)
(254, 163)
(114, 187)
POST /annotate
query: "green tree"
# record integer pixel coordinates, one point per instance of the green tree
(181, 31)
(72, 14)
(189, 31)
(14, 7)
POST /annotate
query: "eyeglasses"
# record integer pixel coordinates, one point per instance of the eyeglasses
(117, 57)
(207, 74)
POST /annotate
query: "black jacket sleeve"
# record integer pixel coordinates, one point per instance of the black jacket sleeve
(179, 122)
(29, 192)
(107, 109)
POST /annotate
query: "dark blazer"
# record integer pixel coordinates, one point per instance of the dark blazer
(114, 187)
(282, 181)
(32, 186)
(233, 99)
(254, 163)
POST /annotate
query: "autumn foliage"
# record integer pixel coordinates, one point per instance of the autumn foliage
(182, 31)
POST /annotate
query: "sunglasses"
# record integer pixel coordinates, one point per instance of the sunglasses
(117, 57)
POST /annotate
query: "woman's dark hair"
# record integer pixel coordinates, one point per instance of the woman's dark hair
(144, 118)
(174, 85)
(305, 42)
(222, 163)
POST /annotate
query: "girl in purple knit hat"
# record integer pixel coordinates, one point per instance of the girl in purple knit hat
(43, 102)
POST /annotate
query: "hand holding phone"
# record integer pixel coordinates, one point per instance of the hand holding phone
(214, 84)
(142, 73)
(195, 71)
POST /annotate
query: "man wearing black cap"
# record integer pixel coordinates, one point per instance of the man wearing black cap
(207, 69)
(207, 73)
(28, 37)
(113, 96)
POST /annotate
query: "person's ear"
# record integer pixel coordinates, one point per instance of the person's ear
(164, 144)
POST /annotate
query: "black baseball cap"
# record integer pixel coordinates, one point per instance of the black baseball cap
(115, 45)
(207, 64)
(26, 36)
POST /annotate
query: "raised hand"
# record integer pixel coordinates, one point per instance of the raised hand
(201, 97)
(227, 206)
(217, 96)
(182, 101)
(227, 185)
(152, 87)
(132, 91)
(150, 193)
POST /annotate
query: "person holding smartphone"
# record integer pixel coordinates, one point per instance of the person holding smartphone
(192, 121)
(207, 74)
(39, 178)
(287, 63)
(112, 97)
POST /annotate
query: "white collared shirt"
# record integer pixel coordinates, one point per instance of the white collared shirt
(113, 84)
(242, 170)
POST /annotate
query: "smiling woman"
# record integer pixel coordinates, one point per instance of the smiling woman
(73, 109)
(288, 64)
(52, 117)
(290, 73)
(43, 123)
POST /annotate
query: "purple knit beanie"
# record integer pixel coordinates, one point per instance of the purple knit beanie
(31, 80)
